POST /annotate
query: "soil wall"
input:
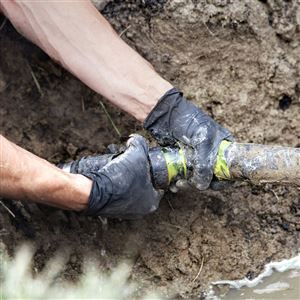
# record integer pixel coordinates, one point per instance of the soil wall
(240, 61)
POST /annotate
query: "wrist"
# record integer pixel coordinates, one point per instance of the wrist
(148, 98)
(57, 188)
(81, 187)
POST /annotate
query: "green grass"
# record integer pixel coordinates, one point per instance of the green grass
(19, 282)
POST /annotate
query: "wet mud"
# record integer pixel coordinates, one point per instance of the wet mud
(239, 61)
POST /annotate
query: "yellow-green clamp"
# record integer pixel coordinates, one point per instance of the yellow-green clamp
(176, 163)
(167, 164)
(170, 163)
(221, 169)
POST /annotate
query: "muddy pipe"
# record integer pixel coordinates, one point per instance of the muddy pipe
(235, 161)
(258, 163)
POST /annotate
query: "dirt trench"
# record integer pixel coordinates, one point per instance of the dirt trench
(240, 61)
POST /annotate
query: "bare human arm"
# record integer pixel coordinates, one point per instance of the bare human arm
(75, 34)
(25, 176)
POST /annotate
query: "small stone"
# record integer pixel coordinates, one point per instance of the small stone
(250, 275)
(285, 102)
(285, 226)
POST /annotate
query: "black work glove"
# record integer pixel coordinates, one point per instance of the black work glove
(122, 186)
(87, 164)
(174, 119)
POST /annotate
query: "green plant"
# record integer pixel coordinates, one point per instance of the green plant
(18, 281)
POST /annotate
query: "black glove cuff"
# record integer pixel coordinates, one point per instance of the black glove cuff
(100, 194)
(161, 114)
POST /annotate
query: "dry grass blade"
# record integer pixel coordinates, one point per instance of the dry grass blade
(208, 29)
(9, 211)
(82, 105)
(172, 225)
(37, 84)
(275, 194)
(3, 24)
(199, 272)
(123, 31)
(170, 204)
(110, 119)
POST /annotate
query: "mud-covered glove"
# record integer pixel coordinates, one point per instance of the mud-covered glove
(87, 164)
(122, 188)
(174, 119)
(92, 163)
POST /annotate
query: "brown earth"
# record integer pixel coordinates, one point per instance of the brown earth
(240, 61)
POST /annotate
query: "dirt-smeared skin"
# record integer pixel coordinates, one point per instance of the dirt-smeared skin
(228, 58)
(263, 164)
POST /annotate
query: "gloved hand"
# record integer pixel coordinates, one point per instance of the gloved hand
(174, 119)
(122, 186)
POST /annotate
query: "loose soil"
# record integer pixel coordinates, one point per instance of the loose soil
(240, 61)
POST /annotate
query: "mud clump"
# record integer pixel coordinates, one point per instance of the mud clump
(239, 61)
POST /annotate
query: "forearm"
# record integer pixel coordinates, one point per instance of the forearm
(76, 35)
(25, 176)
